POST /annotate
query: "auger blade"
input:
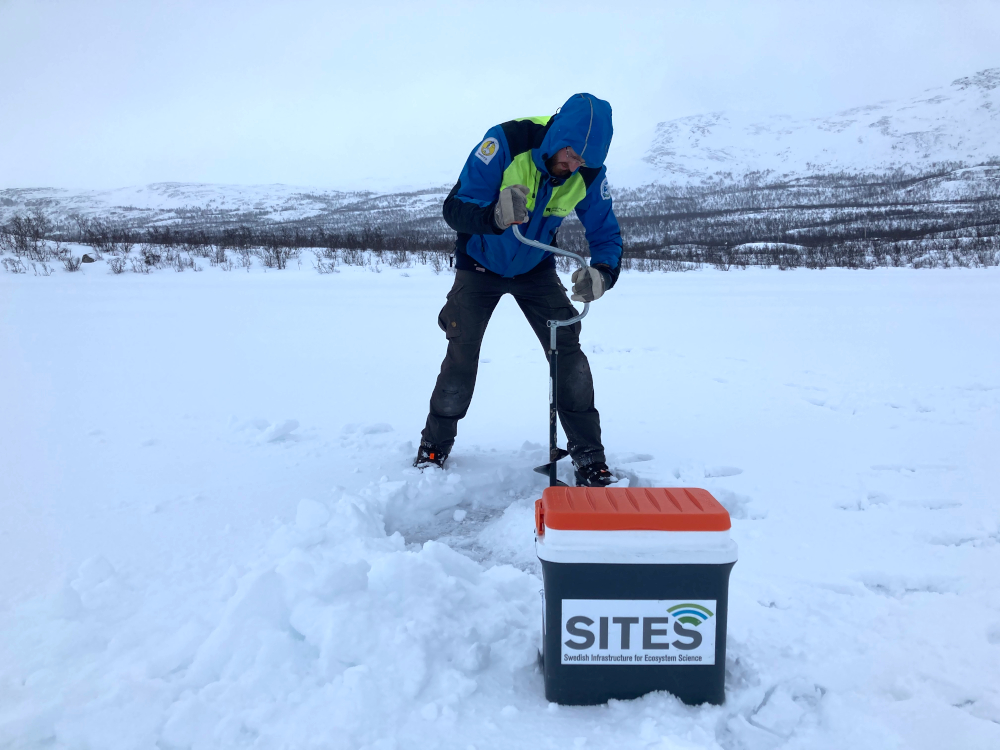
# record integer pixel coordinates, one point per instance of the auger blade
(556, 455)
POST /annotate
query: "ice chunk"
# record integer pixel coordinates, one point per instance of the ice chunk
(93, 571)
(311, 514)
(278, 431)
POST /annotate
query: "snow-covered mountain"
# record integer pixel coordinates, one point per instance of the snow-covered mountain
(167, 202)
(959, 122)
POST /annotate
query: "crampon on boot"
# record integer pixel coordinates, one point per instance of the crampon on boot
(594, 475)
(429, 455)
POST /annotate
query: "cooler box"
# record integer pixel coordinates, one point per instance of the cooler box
(636, 593)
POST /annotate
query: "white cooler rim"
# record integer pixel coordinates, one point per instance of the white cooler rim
(637, 547)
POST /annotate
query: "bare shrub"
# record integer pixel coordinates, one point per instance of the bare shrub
(723, 259)
(71, 264)
(24, 236)
(324, 263)
(117, 264)
(42, 269)
(14, 265)
(200, 246)
(397, 259)
(565, 265)
(111, 236)
(150, 255)
(353, 256)
(218, 255)
(240, 240)
(245, 257)
(276, 253)
(124, 246)
(181, 263)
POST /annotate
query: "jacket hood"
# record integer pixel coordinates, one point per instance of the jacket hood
(583, 122)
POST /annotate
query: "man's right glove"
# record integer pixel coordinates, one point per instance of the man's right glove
(589, 283)
(512, 207)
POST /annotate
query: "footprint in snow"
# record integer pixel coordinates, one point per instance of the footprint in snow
(634, 458)
(721, 471)
(933, 504)
(897, 586)
(377, 428)
(870, 500)
(979, 387)
(892, 467)
(784, 707)
(805, 387)
(266, 432)
(783, 710)
(964, 538)
(993, 634)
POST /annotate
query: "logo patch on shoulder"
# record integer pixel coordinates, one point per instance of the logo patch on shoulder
(488, 150)
(605, 190)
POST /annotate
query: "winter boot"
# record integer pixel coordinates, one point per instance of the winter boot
(430, 455)
(594, 475)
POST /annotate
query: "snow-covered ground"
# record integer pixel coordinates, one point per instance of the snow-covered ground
(211, 535)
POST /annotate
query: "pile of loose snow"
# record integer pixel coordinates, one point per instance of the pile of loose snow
(336, 635)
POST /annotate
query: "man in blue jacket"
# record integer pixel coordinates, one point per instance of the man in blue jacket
(532, 172)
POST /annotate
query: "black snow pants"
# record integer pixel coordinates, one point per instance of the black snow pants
(541, 297)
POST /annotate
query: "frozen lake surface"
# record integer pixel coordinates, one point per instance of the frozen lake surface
(211, 535)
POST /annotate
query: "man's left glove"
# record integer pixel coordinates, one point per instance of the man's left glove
(589, 284)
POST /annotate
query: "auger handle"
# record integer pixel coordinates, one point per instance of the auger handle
(553, 324)
(555, 452)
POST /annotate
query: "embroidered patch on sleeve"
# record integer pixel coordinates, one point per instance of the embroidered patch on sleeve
(488, 150)
(605, 190)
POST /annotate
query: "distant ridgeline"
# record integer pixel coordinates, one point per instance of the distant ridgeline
(914, 182)
(946, 214)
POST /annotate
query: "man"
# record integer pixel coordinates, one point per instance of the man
(532, 172)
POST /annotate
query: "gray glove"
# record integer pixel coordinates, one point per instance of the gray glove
(512, 206)
(588, 284)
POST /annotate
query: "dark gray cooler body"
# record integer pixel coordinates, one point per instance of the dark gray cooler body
(629, 610)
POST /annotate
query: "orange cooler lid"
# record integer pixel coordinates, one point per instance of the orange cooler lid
(629, 509)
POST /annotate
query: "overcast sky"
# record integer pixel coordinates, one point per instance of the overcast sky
(103, 94)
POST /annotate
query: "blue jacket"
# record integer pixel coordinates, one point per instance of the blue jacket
(515, 152)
